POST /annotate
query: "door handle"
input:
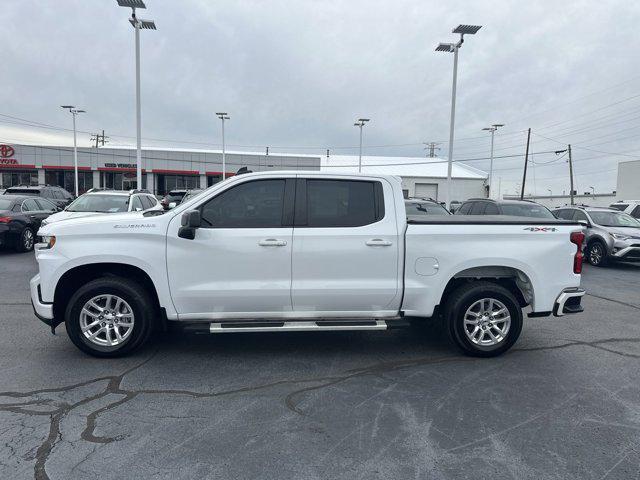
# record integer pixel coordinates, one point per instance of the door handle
(272, 242)
(378, 242)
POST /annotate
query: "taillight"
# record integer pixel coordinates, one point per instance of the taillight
(5, 219)
(577, 238)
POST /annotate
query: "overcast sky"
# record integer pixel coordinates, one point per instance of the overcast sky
(294, 75)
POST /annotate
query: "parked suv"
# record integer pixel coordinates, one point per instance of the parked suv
(424, 206)
(100, 202)
(632, 207)
(513, 208)
(610, 234)
(20, 218)
(58, 195)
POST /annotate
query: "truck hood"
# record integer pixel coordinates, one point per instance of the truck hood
(100, 222)
(56, 217)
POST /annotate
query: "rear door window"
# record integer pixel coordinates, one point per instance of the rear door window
(342, 203)
(45, 205)
(30, 205)
(465, 208)
(635, 212)
(564, 214)
(478, 208)
(491, 209)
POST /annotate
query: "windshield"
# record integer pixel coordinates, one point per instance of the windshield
(614, 219)
(522, 210)
(425, 208)
(5, 204)
(100, 203)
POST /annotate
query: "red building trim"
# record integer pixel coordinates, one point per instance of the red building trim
(17, 167)
(177, 172)
(229, 174)
(64, 167)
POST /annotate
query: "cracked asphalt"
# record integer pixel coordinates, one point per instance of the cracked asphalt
(564, 403)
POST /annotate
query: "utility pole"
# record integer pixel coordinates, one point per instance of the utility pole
(492, 129)
(267, 150)
(570, 173)
(526, 161)
(432, 146)
(360, 123)
(99, 139)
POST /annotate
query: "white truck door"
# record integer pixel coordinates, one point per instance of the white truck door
(345, 247)
(239, 264)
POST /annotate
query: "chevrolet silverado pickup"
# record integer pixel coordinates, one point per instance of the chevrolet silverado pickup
(303, 251)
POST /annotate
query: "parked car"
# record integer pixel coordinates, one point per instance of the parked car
(422, 206)
(20, 219)
(632, 207)
(610, 234)
(307, 251)
(190, 194)
(57, 195)
(173, 198)
(454, 205)
(512, 208)
(101, 202)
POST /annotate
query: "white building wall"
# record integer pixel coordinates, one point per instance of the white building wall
(461, 188)
(629, 180)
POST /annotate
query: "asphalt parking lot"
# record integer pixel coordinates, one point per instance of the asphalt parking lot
(564, 403)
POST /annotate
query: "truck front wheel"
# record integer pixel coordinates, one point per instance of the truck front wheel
(483, 319)
(109, 317)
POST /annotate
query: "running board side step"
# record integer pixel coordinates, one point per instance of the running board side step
(302, 326)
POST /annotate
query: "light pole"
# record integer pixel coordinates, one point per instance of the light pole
(492, 129)
(223, 116)
(360, 123)
(453, 48)
(550, 192)
(137, 25)
(593, 190)
(74, 111)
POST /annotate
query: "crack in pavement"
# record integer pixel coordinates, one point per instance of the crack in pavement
(114, 387)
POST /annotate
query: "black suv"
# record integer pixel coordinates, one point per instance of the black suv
(513, 208)
(58, 195)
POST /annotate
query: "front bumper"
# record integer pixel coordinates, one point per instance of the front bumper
(628, 253)
(569, 302)
(44, 311)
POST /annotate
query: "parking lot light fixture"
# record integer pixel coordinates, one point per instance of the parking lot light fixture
(223, 116)
(74, 111)
(492, 129)
(462, 30)
(138, 24)
(360, 123)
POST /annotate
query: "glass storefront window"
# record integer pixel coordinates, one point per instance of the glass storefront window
(14, 179)
(65, 179)
(121, 180)
(167, 183)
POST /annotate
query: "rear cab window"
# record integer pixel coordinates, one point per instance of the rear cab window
(326, 203)
(619, 206)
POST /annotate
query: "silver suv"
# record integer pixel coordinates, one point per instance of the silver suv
(632, 207)
(610, 234)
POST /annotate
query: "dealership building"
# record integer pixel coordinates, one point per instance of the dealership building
(167, 169)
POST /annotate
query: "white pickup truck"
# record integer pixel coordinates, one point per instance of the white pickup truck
(302, 251)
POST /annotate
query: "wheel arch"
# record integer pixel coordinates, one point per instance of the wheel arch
(77, 276)
(511, 278)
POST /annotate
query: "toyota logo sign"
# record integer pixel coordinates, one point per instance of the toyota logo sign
(6, 151)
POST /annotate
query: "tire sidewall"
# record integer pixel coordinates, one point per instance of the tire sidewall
(128, 291)
(461, 304)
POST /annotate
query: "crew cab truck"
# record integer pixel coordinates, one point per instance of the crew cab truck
(302, 251)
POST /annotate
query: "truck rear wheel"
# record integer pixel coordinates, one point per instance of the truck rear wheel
(109, 317)
(483, 319)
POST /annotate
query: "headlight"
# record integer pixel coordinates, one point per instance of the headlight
(48, 241)
(43, 223)
(620, 236)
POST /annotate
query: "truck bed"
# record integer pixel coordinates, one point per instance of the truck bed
(484, 220)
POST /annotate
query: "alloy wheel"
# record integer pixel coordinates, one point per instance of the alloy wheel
(487, 322)
(107, 320)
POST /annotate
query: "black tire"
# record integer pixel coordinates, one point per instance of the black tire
(143, 308)
(466, 296)
(26, 240)
(597, 253)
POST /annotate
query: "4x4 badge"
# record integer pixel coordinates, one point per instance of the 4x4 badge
(541, 229)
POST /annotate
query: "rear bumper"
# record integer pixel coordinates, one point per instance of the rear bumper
(44, 311)
(569, 302)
